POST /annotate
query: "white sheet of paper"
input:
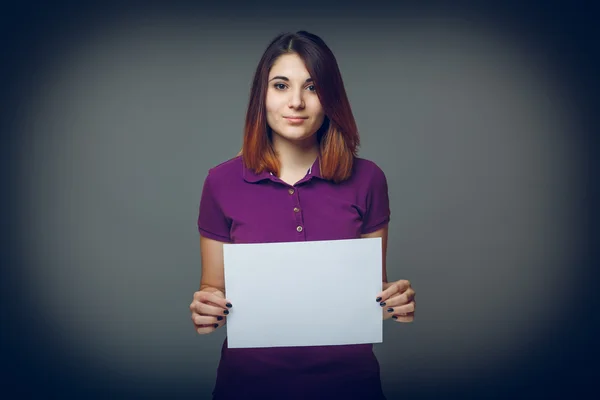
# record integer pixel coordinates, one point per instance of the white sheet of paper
(304, 293)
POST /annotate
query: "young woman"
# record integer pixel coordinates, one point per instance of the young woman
(298, 178)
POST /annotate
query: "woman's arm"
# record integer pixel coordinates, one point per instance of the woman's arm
(213, 271)
(397, 298)
(209, 306)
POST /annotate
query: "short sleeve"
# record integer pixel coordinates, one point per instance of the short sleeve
(377, 213)
(212, 222)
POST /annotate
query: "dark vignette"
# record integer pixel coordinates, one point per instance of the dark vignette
(31, 354)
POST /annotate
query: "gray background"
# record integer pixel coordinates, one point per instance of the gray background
(473, 128)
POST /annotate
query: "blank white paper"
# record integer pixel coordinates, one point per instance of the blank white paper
(304, 293)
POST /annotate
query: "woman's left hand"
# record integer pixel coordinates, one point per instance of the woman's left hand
(398, 301)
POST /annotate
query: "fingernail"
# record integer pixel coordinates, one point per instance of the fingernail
(226, 312)
(390, 309)
(382, 303)
(219, 318)
(395, 317)
(378, 299)
(216, 325)
(228, 305)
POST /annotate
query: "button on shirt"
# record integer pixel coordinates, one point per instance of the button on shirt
(240, 206)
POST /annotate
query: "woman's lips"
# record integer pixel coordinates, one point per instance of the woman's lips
(295, 120)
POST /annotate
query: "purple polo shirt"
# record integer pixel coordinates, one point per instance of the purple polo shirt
(239, 206)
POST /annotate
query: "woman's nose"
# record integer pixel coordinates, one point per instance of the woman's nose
(296, 100)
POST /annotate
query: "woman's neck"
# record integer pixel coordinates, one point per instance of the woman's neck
(295, 158)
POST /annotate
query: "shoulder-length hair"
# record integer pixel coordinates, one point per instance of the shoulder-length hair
(338, 136)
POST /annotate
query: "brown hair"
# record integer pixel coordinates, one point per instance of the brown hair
(338, 136)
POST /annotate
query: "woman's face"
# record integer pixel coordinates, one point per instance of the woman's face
(293, 108)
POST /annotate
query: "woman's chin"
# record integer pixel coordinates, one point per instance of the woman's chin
(296, 137)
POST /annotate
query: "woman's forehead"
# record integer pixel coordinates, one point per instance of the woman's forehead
(290, 66)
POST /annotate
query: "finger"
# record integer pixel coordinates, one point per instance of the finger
(403, 309)
(205, 319)
(396, 287)
(206, 329)
(207, 309)
(216, 298)
(386, 315)
(404, 318)
(400, 299)
(391, 301)
(382, 297)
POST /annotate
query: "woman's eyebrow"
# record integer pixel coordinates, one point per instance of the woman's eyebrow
(285, 78)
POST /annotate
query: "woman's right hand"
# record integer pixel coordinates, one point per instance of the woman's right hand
(209, 310)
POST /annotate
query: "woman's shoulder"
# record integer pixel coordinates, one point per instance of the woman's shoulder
(367, 168)
(227, 169)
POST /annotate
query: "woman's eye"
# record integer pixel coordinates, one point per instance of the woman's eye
(312, 88)
(279, 86)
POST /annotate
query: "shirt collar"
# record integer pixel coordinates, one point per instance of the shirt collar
(252, 177)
